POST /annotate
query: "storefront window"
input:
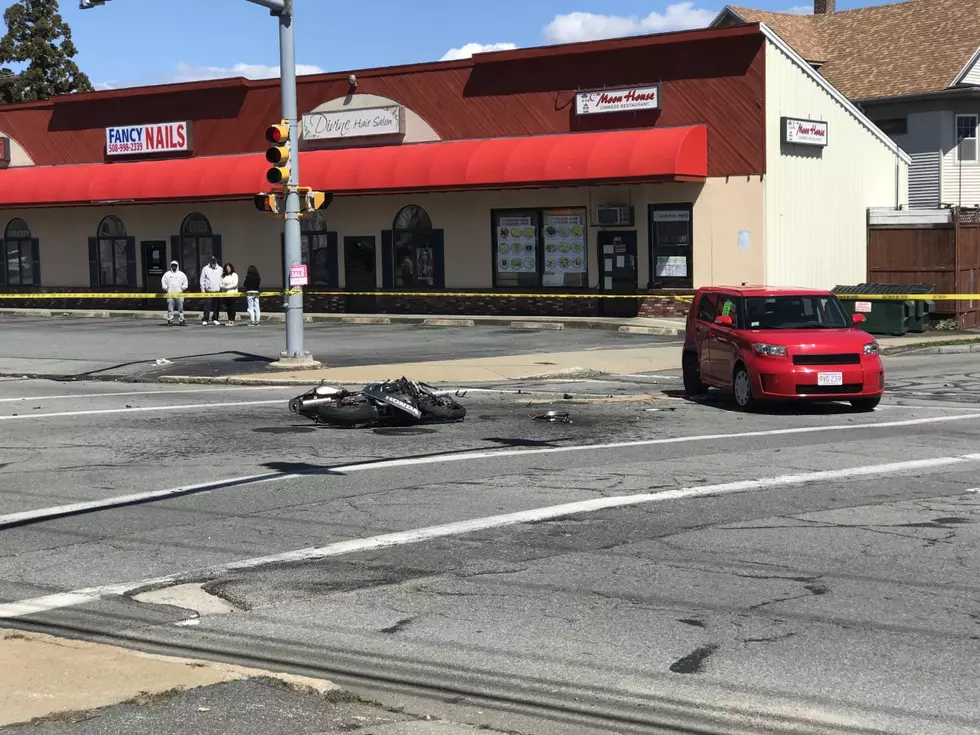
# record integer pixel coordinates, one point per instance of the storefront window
(197, 245)
(546, 248)
(416, 248)
(671, 248)
(319, 249)
(115, 254)
(20, 256)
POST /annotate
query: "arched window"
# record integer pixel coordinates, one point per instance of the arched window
(195, 245)
(112, 255)
(319, 249)
(416, 254)
(21, 262)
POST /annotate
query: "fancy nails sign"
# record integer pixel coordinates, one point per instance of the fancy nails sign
(618, 100)
(804, 132)
(129, 140)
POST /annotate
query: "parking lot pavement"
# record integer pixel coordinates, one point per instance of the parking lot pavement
(654, 556)
(130, 349)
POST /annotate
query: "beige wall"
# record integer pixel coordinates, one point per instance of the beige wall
(816, 199)
(18, 156)
(721, 209)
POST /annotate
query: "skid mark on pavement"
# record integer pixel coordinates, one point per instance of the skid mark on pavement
(36, 605)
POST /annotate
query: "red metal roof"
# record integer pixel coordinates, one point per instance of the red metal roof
(545, 160)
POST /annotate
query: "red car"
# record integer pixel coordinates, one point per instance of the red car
(763, 343)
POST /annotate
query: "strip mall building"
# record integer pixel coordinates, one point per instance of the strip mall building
(653, 165)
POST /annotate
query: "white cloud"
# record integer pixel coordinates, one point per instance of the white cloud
(185, 72)
(469, 49)
(800, 10)
(590, 26)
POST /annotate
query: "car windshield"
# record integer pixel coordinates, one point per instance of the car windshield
(795, 312)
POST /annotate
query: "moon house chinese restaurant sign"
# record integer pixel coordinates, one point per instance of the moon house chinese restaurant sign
(174, 137)
(618, 100)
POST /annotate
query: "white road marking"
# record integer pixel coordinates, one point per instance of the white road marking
(140, 409)
(42, 514)
(147, 393)
(91, 594)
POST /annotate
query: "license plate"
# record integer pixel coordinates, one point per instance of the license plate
(830, 378)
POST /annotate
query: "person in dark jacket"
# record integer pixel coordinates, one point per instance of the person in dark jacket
(251, 286)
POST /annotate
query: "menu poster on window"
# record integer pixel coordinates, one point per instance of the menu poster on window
(674, 266)
(516, 245)
(564, 244)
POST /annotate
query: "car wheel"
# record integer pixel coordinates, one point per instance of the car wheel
(866, 404)
(692, 375)
(742, 388)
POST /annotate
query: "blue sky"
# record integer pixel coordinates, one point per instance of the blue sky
(132, 42)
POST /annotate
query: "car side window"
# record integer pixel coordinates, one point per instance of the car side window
(729, 307)
(707, 308)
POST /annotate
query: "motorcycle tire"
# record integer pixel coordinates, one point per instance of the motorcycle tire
(363, 413)
(438, 412)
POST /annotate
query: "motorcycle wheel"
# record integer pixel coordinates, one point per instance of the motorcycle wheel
(362, 413)
(439, 412)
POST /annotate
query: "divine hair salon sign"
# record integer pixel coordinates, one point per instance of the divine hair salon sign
(127, 140)
(355, 123)
(804, 132)
(618, 100)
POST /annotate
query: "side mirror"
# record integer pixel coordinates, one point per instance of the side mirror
(724, 321)
(858, 318)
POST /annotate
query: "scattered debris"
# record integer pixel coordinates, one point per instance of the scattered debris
(163, 361)
(554, 417)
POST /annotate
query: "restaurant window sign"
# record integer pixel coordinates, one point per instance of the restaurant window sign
(540, 247)
(628, 99)
(804, 132)
(129, 140)
(671, 247)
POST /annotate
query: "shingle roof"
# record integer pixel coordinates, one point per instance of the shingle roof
(885, 50)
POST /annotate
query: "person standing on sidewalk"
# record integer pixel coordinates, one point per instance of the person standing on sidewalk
(210, 283)
(229, 285)
(174, 283)
(251, 286)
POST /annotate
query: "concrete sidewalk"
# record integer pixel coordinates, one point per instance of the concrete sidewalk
(637, 325)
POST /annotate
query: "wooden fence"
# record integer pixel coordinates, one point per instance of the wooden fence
(945, 256)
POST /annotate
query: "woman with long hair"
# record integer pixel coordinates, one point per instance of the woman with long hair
(229, 284)
(251, 285)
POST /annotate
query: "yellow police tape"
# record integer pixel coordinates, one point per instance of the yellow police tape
(239, 294)
(686, 298)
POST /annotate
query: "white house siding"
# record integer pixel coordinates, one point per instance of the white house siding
(816, 199)
(961, 181)
(923, 142)
(973, 75)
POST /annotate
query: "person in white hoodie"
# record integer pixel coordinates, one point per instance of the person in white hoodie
(229, 285)
(211, 283)
(174, 283)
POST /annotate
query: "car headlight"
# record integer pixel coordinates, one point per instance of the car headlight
(761, 348)
(872, 348)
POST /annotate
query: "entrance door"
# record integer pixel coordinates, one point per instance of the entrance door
(155, 264)
(617, 272)
(360, 274)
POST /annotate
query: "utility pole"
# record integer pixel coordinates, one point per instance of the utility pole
(294, 356)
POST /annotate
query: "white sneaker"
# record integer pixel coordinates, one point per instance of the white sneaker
(204, 323)
(214, 323)
(229, 324)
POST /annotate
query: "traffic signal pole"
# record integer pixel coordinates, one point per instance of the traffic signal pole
(294, 356)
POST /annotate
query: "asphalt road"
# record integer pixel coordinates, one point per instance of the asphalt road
(813, 568)
(129, 348)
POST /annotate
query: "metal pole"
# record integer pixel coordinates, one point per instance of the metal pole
(292, 235)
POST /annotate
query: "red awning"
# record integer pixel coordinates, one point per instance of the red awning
(649, 154)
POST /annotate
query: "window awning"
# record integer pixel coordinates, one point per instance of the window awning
(649, 154)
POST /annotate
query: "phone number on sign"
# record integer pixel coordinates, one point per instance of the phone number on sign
(125, 147)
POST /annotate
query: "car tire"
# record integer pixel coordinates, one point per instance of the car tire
(742, 389)
(865, 404)
(692, 374)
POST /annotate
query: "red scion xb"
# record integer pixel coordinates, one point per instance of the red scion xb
(762, 343)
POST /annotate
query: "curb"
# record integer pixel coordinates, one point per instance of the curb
(941, 350)
(387, 319)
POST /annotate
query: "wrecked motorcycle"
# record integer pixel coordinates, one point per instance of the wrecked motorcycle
(393, 402)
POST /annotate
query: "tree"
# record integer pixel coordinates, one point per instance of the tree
(38, 36)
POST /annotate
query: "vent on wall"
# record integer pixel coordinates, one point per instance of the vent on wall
(614, 216)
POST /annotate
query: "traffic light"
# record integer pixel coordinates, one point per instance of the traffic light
(266, 203)
(316, 200)
(278, 154)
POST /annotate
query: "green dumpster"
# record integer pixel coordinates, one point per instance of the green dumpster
(882, 316)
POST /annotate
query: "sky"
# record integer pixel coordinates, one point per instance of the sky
(135, 42)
